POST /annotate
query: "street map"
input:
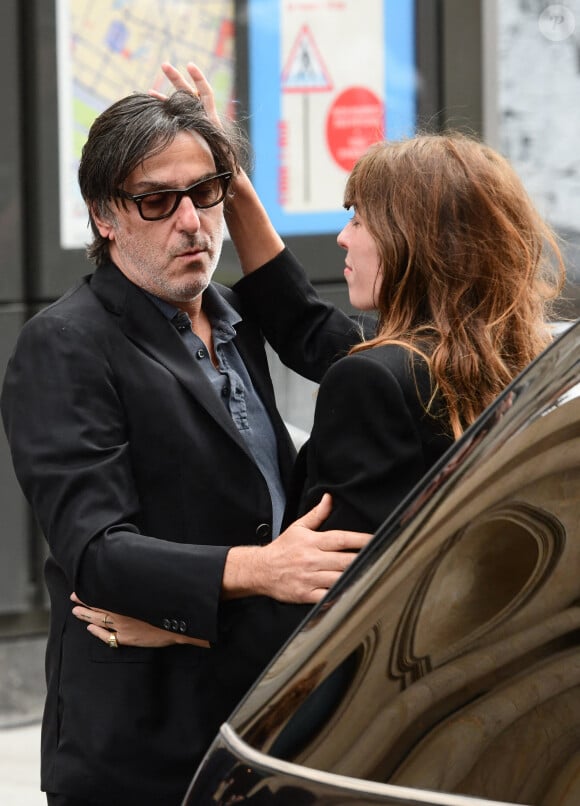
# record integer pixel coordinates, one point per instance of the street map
(110, 48)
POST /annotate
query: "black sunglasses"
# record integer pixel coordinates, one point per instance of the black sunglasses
(158, 204)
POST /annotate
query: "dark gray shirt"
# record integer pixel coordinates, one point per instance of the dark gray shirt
(233, 384)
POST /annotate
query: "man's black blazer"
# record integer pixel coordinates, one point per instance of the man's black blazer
(141, 482)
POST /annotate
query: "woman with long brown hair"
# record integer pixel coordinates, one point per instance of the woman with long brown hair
(467, 263)
(445, 245)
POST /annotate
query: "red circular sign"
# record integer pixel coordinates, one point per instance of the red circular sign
(356, 120)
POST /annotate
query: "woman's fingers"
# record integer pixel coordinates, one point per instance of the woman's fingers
(205, 92)
(177, 79)
(198, 86)
(93, 616)
(101, 633)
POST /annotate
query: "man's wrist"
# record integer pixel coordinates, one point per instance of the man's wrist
(243, 572)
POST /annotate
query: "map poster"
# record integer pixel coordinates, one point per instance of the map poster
(111, 48)
(326, 80)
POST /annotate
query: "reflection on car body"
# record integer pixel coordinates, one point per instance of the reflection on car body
(444, 667)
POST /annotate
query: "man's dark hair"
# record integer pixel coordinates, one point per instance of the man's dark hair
(132, 130)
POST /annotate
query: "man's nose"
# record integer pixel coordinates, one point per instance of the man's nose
(188, 214)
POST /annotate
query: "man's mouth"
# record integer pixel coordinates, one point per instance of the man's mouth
(192, 252)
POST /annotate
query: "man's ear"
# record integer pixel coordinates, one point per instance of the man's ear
(103, 224)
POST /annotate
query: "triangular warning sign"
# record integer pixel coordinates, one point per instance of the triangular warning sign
(304, 70)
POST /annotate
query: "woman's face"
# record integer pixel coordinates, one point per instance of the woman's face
(362, 269)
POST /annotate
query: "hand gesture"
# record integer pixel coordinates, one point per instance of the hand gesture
(127, 631)
(200, 87)
(299, 566)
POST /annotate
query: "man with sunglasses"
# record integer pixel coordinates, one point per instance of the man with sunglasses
(144, 432)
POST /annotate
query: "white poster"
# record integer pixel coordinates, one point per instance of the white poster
(333, 96)
(327, 80)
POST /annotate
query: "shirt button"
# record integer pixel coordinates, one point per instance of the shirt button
(182, 321)
(201, 353)
(225, 391)
(264, 532)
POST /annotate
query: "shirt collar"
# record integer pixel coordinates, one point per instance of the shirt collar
(220, 313)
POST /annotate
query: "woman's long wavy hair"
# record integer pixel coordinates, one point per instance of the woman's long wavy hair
(469, 268)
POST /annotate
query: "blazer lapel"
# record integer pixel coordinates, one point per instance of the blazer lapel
(145, 325)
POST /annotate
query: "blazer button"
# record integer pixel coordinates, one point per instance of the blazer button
(166, 624)
(264, 532)
(182, 626)
(174, 625)
(201, 353)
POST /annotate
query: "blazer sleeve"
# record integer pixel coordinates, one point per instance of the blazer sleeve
(307, 332)
(365, 447)
(70, 446)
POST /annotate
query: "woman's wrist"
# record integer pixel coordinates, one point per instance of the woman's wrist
(254, 238)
